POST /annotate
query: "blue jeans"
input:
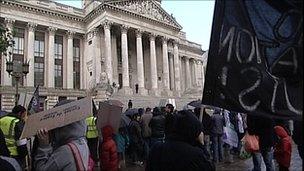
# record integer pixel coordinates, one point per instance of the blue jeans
(217, 147)
(267, 154)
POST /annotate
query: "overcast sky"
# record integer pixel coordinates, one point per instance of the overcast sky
(194, 16)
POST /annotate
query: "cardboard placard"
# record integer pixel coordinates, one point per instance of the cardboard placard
(57, 117)
(109, 114)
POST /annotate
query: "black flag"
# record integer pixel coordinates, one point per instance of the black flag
(33, 106)
(255, 60)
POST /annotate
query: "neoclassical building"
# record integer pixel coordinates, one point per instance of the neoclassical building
(123, 44)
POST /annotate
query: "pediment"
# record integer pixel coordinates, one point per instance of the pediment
(146, 8)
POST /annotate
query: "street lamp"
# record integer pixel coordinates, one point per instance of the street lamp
(17, 70)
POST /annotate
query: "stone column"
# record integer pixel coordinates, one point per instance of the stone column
(140, 63)
(171, 62)
(51, 58)
(30, 54)
(69, 66)
(125, 61)
(176, 68)
(6, 79)
(165, 65)
(195, 77)
(188, 73)
(83, 70)
(108, 51)
(154, 85)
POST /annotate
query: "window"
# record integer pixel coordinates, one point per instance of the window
(58, 61)
(58, 76)
(18, 41)
(39, 59)
(76, 63)
(18, 50)
(39, 74)
(39, 48)
(58, 47)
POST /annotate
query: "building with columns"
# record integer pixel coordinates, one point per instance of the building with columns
(120, 44)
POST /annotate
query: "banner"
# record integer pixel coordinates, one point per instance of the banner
(255, 60)
(58, 116)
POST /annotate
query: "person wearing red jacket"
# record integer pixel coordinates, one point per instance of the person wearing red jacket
(282, 151)
(108, 157)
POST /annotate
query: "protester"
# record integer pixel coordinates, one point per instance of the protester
(157, 125)
(130, 104)
(136, 140)
(59, 149)
(283, 148)
(264, 128)
(17, 147)
(178, 152)
(3, 148)
(7, 163)
(169, 115)
(108, 150)
(146, 130)
(218, 123)
(122, 142)
(92, 137)
(136, 88)
(297, 136)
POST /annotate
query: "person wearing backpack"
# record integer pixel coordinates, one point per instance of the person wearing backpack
(63, 148)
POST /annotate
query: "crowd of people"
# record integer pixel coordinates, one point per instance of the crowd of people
(161, 138)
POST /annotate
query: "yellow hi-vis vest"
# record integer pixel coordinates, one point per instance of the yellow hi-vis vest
(92, 129)
(7, 125)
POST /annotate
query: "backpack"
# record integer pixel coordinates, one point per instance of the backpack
(78, 159)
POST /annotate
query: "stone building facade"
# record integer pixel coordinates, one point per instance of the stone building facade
(119, 45)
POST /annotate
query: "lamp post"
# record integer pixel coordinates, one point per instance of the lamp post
(17, 70)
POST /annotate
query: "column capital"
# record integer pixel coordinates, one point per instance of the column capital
(165, 39)
(152, 36)
(31, 26)
(175, 42)
(94, 31)
(124, 29)
(9, 22)
(107, 24)
(70, 34)
(52, 30)
(138, 33)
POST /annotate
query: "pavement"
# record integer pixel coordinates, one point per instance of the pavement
(238, 164)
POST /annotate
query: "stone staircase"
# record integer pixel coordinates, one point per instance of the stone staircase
(152, 101)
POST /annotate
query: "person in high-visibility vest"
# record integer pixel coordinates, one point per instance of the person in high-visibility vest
(92, 137)
(12, 126)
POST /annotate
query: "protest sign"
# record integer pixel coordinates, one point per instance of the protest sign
(109, 113)
(255, 60)
(24, 99)
(58, 116)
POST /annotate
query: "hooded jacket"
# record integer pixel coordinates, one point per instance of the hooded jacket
(58, 155)
(282, 150)
(109, 158)
(178, 153)
(157, 124)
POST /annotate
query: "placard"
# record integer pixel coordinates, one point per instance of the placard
(57, 117)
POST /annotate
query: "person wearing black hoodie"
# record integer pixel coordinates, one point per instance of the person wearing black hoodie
(157, 125)
(180, 152)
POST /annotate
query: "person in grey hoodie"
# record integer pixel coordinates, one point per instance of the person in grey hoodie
(56, 154)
